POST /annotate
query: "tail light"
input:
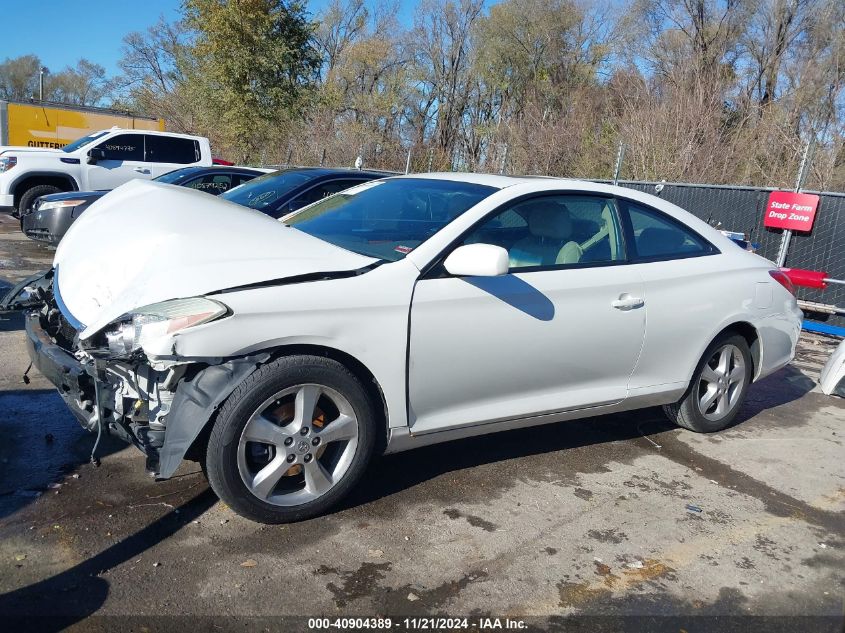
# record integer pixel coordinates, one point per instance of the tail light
(783, 279)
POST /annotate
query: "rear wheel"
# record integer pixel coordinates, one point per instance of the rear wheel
(291, 440)
(32, 194)
(718, 387)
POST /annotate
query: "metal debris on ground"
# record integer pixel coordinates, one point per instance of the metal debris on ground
(692, 508)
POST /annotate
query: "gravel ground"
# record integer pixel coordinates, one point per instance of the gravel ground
(616, 516)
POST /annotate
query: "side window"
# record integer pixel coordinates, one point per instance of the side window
(214, 184)
(554, 231)
(239, 179)
(170, 149)
(321, 191)
(123, 147)
(658, 237)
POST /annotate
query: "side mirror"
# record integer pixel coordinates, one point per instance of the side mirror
(478, 260)
(96, 154)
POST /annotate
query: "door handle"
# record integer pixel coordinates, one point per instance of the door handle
(627, 302)
(142, 170)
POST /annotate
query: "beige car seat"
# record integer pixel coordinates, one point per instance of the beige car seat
(549, 243)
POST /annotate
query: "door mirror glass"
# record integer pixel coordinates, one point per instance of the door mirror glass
(96, 154)
(477, 260)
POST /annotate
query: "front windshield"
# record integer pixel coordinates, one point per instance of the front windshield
(177, 175)
(388, 219)
(82, 142)
(259, 193)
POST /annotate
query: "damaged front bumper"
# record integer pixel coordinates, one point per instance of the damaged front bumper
(161, 411)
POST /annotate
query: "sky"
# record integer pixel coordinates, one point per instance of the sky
(61, 32)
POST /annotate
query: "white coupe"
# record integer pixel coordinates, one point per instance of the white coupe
(283, 355)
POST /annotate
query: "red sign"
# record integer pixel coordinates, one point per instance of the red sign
(789, 210)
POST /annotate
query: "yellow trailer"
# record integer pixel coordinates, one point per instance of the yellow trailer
(54, 125)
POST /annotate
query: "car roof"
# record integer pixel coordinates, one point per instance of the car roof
(196, 169)
(142, 131)
(320, 172)
(490, 180)
(549, 182)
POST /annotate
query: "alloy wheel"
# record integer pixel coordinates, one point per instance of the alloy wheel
(297, 445)
(722, 382)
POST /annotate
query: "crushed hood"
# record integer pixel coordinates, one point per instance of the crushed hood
(147, 242)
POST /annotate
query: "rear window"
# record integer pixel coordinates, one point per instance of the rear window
(658, 237)
(261, 193)
(170, 149)
(176, 176)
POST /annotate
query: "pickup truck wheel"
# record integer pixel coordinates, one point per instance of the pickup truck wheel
(718, 387)
(32, 194)
(291, 440)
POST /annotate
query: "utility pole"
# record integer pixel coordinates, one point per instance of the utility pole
(41, 71)
(799, 184)
(408, 162)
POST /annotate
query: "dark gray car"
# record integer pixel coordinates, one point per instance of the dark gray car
(51, 216)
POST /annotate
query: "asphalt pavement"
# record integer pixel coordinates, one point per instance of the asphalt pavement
(622, 515)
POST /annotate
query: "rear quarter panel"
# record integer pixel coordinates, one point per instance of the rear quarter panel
(690, 301)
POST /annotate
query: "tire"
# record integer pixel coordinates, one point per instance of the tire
(715, 395)
(319, 466)
(32, 194)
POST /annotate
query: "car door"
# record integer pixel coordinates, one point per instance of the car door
(688, 293)
(123, 160)
(561, 331)
(166, 153)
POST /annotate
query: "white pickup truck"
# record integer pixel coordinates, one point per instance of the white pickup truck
(101, 160)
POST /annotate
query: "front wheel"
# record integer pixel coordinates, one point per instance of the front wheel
(718, 387)
(291, 440)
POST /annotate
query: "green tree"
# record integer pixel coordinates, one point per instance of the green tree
(254, 65)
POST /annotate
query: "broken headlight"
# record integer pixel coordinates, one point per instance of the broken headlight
(160, 319)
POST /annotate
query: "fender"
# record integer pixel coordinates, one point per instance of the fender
(732, 320)
(195, 402)
(42, 173)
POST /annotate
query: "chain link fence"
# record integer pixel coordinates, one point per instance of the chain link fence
(728, 207)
